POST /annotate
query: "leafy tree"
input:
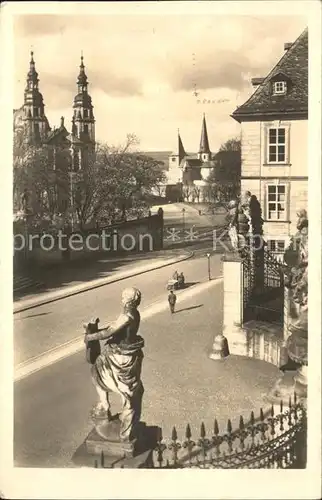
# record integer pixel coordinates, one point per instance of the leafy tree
(224, 180)
(33, 172)
(231, 145)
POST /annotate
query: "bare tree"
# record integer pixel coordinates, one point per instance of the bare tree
(117, 183)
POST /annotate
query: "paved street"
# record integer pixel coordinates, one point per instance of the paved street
(50, 325)
(181, 384)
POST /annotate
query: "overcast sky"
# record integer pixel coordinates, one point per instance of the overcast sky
(143, 70)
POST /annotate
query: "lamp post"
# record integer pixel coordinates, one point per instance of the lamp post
(72, 199)
(208, 257)
(183, 214)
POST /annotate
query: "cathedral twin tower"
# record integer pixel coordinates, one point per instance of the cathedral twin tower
(32, 119)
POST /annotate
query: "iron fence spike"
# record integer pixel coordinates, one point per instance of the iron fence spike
(174, 435)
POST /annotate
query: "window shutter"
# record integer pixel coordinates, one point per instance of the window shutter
(265, 210)
(288, 200)
(287, 144)
(266, 142)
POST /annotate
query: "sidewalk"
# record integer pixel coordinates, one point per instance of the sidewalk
(182, 384)
(78, 279)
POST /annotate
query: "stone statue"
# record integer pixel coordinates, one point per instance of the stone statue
(296, 258)
(232, 218)
(117, 367)
(245, 220)
(24, 200)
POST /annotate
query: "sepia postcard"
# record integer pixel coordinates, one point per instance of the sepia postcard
(161, 163)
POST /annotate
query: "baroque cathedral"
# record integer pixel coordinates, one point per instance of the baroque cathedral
(70, 150)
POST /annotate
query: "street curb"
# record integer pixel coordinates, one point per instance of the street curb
(93, 286)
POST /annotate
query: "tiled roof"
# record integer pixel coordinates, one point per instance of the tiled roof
(192, 162)
(60, 133)
(293, 67)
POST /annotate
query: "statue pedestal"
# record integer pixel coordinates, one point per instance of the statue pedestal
(110, 452)
(105, 437)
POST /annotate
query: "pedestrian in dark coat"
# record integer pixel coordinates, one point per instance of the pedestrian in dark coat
(172, 299)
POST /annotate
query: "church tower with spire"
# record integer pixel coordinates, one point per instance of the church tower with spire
(83, 122)
(204, 153)
(175, 159)
(35, 122)
(177, 156)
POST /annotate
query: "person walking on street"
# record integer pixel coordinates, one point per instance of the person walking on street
(172, 299)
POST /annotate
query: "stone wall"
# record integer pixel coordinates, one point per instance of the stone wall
(142, 235)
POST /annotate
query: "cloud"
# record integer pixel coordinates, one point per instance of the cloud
(60, 89)
(228, 72)
(142, 70)
(40, 25)
(115, 84)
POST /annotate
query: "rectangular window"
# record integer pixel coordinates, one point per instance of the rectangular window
(276, 145)
(85, 113)
(36, 112)
(86, 129)
(276, 202)
(276, 246)
(280, 88)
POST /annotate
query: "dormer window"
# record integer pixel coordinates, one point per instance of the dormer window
(280, 88)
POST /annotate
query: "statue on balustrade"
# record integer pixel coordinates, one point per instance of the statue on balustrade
(245, 221)
(117, 366)
(296, 259)
(296, 280)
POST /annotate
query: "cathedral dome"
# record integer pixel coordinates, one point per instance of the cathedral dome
(83, 99)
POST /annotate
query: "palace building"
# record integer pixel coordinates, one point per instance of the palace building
(274, 143)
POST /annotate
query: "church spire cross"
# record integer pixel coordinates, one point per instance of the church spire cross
(82, 78)
(32, 75)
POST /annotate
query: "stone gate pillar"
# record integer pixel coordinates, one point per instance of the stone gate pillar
(232, 332)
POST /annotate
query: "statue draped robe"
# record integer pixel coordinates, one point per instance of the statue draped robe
(118, 369)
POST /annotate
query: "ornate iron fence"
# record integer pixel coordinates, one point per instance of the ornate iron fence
(269, 442)
(277, 441)
(263, 285)
(273, 271)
